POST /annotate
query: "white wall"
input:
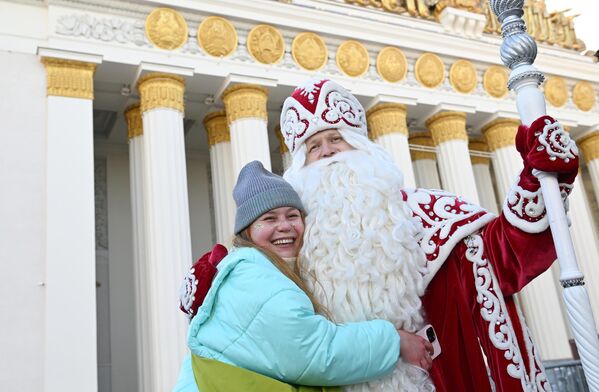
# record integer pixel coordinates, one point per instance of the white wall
(22, 221)
(123, 335)
(199, 206)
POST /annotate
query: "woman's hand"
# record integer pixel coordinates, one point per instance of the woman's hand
(415, 350)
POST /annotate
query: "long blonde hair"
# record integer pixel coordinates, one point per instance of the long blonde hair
(243, 240)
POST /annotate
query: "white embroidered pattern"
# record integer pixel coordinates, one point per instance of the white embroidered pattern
(441, 215)
(187, 292)
(309, 88)
(342, 108)
(556, 142)
(294, 127)
(494, 311)
(525, 209)
(537, 373)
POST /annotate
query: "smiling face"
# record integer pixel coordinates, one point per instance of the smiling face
(279, 230)
(325, 144)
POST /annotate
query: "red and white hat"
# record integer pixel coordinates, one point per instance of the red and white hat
(318, 105)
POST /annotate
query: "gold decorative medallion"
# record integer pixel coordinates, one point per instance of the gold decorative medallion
(584, 96)
(217, 36)
(495, 81)
(352, 58)
(391, 64)
(462, 76)
(309, 51)
(556, 91)
(166, 29)
(266, 44)
(429, 70)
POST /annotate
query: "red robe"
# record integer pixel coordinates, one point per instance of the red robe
(477, 262)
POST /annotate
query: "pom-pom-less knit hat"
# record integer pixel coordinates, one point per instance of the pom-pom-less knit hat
(258, 191)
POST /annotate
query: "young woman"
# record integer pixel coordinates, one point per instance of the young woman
(259, 316)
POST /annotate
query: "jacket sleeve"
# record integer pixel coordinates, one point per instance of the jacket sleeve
(288, 341)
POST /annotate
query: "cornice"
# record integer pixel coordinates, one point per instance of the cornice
(382, 28)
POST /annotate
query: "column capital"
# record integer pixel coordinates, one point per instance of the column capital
(245, 101)
(447, 126)
(422, 139)
(479, 144)
(217, 128)
(589, 144)
(161, 90)
(69, 78)
(387, 118)
(134, 121)
(500, 133)
(282, 146)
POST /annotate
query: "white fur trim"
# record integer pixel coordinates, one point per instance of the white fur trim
(446, 220)
(525, 209)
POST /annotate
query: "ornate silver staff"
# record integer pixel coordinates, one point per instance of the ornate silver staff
(518, 52)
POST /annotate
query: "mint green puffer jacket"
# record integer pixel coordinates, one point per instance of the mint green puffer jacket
(256, 318)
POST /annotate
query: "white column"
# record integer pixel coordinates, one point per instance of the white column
(540, 300)
(283, 150)
(482, 175)
(245, 105)
(221, 166)
(387, 127)
(448, 130)
(584, 237)
(545, 317)
(500, 135)
(589, 144)
(167, 232)
(424, 163)
(140, 267)
(70, 320)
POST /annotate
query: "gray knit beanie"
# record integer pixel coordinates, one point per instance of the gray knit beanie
(258, 191)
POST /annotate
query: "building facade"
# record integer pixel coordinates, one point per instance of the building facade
(125, 124)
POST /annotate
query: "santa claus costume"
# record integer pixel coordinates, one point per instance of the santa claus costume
(374, 249)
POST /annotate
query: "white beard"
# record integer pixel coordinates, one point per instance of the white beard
(360, 255)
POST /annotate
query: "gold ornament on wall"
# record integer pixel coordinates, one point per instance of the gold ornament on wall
(495, 81)
(462, 76)
(309, 51)
(217, 36)
(556, 91)
(266, 44)
(166, 29)
(352, 58)
(584, 96)
(429, 70)
(391, 64)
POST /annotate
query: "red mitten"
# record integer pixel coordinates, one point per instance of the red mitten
(198, 280)
(546, 146)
